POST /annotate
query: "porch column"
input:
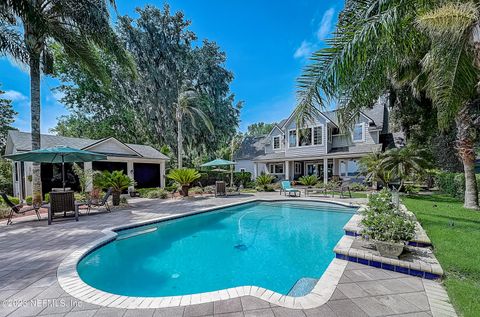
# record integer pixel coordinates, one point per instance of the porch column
(130, 173)
(255, 170)
(88, 169)
(325, 170)
(346, 168)
(287, 170)
(162, 174)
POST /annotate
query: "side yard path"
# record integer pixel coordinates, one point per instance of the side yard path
(455, 233)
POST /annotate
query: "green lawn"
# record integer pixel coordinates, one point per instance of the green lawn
(455, 234)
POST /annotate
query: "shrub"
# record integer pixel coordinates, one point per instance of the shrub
(184, 177)
(242, 178)
(29, 200)
(116, 180)
(157, 193)
(265, 188)
(123, 200)
(381, 202)
(14, 200)
(453, 184)
(263, 182)
(387, 227)
(412, 189)
(358, 187)
(383, 222)
(309, 180)
(144, 191)
(4, 211)
(6, 180)
(47, 197)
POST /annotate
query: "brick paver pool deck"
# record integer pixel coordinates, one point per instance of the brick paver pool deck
(31, 252)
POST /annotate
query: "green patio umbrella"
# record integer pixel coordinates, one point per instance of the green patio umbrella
(60, 154)
(221, 162)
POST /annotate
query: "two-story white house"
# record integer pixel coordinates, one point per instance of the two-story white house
(320, 148)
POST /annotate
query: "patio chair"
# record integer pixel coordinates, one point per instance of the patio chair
(99, 203)
(220, 188)
(62, 202)
(287, 188)
(17, 209)
(342, 186)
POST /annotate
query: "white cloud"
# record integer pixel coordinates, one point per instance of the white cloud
(304, 50)
(14, 95)
(325, 26)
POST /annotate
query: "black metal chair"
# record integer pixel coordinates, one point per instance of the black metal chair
(96, 203)
(17, 209)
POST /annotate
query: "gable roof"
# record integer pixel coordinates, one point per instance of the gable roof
(251, 147)
(22, 141)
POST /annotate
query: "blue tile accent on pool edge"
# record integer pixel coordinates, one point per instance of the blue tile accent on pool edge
(390, 267)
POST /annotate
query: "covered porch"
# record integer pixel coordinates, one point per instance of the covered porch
(324, 168)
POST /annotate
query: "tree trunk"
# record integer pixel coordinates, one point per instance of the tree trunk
(466, 139)
(179, 137)
(35, 124)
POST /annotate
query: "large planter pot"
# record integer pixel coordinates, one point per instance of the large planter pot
(389, 249)
(116, 198)
(185, 190)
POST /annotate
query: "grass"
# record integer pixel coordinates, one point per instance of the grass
(455, 234)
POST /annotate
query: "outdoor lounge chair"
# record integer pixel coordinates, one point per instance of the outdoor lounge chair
(100, 203)
(287, 188)
(17, 209)
(343, 187)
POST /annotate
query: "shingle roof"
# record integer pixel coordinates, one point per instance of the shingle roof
(250, 148)
(22, 141)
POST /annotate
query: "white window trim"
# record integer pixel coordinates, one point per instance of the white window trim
(274, 164)
(322, 143)
(296, 138)
(279, 142)
(362, 124)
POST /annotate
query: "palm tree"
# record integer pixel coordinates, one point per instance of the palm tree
(404, 162)
(371, 166)
(29, 29)
(427, 46)
(187, 104)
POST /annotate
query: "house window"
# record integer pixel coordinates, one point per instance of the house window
(305, 137)
(242, 170)
(298, 168)
(276, 168)
(318, 135)
(292, 138)
(276, 142)
(358, 133)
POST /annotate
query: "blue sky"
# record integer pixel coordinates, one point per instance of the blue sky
(267, 44)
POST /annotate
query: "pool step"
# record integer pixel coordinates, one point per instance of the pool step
(303, 286)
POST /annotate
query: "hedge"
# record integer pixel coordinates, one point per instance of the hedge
(453, 184)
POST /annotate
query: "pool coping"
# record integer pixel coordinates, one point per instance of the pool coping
(71, 282)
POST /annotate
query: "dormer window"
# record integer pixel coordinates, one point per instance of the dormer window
(276, 142)
(359, 132)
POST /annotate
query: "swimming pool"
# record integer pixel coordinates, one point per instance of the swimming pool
(266, 244)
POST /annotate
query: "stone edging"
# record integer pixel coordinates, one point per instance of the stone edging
(71, 282)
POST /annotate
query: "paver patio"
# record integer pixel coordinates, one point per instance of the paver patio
(31, 252)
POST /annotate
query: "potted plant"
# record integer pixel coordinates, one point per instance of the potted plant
(386, 226)
(117, 181)
(184, 177)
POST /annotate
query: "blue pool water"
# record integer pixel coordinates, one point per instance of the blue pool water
(266, 244)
